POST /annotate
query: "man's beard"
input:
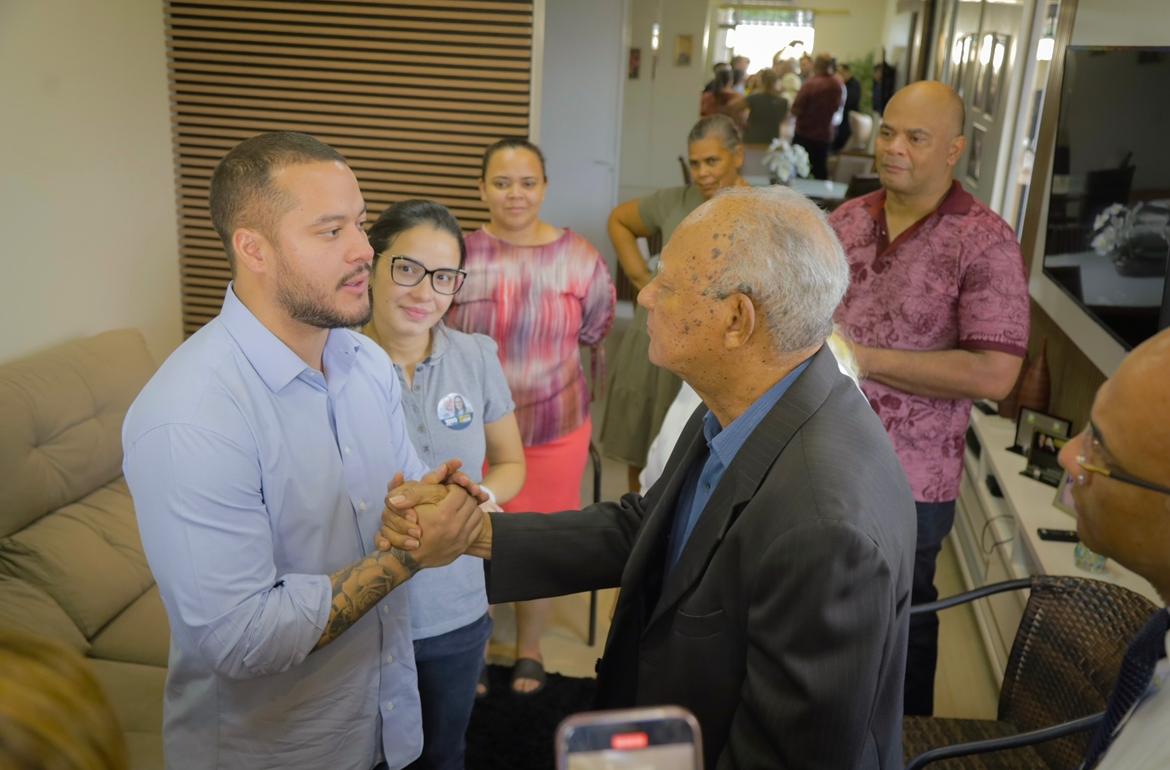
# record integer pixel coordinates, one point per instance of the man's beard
(308, 306)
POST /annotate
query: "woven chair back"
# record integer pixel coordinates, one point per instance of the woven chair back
(1066, 656)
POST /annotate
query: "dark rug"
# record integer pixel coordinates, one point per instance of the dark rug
(515, 732)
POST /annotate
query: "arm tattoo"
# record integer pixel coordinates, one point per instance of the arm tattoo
(358, 587)
(407, 559)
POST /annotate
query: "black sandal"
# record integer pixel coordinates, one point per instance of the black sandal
(528, 668)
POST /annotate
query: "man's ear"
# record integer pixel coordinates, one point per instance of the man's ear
(252, 249)
(956, 150)
(741, 321)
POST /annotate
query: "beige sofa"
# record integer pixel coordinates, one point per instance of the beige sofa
(71, 561)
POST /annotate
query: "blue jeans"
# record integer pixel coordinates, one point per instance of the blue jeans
(448, 670)
(934, 523)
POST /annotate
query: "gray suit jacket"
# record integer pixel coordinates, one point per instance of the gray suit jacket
(783, 626)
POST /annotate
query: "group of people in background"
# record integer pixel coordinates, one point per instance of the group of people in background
(322, 618)
(806, 101)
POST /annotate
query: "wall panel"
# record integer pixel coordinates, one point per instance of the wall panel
(410, 93)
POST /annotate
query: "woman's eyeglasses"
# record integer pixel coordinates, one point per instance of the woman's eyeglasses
(405, 271)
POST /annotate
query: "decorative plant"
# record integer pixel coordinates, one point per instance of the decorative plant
(1109, 229)
(784, 160)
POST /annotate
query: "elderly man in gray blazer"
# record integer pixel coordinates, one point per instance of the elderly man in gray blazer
(766, 576)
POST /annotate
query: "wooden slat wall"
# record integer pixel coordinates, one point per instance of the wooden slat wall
(410, 93)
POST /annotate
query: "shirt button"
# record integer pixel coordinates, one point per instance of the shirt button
(388, 706)
(385, 610)
(421, 429)
(389, 658)
(345, 449)
(361, 505)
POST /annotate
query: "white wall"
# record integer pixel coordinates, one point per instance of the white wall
(580, 114)
(87, 196)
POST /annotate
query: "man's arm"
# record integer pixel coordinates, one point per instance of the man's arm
(820, 623)
(953, 374)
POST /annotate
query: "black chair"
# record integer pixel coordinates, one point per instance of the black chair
(595, 460)
(1061, 669)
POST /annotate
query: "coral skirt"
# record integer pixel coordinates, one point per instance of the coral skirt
(554, 471)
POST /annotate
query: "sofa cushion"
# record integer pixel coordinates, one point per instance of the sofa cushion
(61, 414)
(138, 635)
(28, 609)
(87, 556)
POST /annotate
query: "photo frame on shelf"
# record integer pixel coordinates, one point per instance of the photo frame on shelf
(1043, 458)
(975, 154)
(1030, 420)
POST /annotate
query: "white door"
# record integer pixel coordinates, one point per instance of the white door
(581, 114)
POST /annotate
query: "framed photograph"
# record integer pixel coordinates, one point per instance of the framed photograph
(634, 65)
(975, 154)
(684, 50)
(1043, 458)
(1063, 501)
(1030, 420)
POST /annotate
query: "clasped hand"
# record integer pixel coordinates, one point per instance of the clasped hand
(444, 503)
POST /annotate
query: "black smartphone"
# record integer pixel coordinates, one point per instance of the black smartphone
(1059, 535)
(656, 738)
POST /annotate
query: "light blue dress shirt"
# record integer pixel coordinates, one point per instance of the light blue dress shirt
(722, 446)
(254, 478)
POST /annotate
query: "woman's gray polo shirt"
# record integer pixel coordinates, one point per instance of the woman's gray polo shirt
(457, 390)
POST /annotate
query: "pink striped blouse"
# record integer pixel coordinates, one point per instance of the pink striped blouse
(539, 303)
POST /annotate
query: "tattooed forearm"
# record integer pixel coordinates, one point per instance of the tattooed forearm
(407, 559)
(358, 587)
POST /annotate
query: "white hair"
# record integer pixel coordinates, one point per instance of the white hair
(785, 256)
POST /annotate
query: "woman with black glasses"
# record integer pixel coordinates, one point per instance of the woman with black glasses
(457, 405)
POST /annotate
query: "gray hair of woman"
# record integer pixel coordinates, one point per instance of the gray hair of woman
(787, 259)
(718, 127)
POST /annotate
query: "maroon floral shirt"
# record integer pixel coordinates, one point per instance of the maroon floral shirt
(954, 279)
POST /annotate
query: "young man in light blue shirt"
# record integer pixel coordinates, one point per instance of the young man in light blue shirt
(258, 457)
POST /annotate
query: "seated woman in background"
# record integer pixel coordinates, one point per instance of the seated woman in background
(457, 404)
(767, 110)
(639, 393)
(540, 292)
(53, 714)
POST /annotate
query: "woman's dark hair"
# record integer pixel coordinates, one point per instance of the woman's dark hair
(512, 143)
(724, 79)
(404, 215)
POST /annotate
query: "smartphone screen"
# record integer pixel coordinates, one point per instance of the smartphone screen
(665, 738)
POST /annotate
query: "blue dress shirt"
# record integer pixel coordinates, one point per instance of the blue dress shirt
(722, 446)
(254, 478)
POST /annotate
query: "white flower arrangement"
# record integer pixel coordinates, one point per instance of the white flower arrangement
(1108, 229)
(784, 160)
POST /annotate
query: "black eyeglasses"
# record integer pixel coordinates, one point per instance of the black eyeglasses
(1114, 473)
(405, 271)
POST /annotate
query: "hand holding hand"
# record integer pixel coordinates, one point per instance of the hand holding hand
(450, 517)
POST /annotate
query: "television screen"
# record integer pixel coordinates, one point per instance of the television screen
(1108, 232)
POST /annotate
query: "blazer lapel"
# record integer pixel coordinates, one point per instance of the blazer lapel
(744, 477)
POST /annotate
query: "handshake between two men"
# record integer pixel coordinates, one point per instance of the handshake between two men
(448, 506)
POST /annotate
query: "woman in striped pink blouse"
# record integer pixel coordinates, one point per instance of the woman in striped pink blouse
(540, 292)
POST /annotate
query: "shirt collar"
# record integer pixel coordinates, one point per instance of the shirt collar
(956, 201)
(440, 341)
(724, 443)
(274, 361)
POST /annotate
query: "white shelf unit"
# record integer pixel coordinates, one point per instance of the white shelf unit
(995, 537)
